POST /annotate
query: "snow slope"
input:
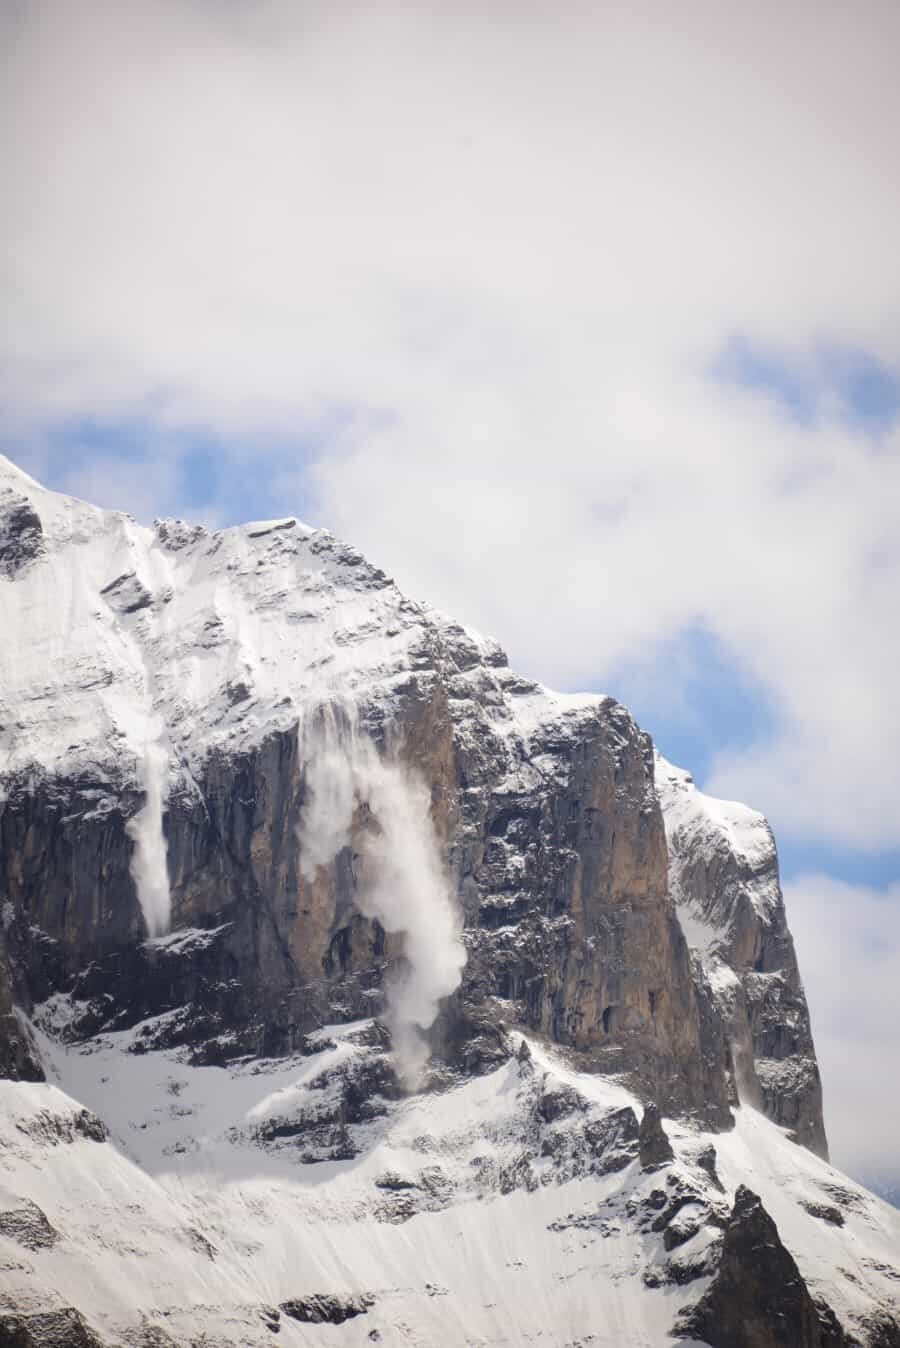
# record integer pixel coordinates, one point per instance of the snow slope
(132, 636)
(185, 1220)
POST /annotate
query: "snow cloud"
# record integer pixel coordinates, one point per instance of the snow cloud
(149, 864)
(402, 881)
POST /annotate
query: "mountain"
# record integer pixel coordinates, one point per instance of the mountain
(354, 988)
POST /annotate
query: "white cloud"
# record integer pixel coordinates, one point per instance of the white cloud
(508, 247)
(848, 944)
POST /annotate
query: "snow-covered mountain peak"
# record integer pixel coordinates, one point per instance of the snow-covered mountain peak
(263, 821)
(724, 823)
(14, 477)
(220, 637)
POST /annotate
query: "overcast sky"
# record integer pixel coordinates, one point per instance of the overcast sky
(582, 320)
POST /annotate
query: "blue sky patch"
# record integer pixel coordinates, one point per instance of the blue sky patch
(707, 707)
(713, 709)
(831, 378)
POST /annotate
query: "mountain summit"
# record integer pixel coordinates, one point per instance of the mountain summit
(354, 988)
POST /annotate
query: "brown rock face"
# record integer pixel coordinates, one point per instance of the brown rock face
(570, 920)
(555, 844)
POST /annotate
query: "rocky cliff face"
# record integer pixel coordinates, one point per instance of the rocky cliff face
(154, 755)
(723, 879)
(214, 646)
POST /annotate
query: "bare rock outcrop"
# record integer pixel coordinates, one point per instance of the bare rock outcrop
(65, 1328)
(21, 533)
(655, 1147)
(326, 1308)
(723, 878)
(758, 1298)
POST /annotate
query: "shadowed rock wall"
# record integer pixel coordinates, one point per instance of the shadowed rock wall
(556, 847)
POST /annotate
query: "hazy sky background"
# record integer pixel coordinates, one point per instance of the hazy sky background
(582, 320)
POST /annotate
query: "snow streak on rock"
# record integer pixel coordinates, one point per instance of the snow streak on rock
(402, 882)
(148, 865)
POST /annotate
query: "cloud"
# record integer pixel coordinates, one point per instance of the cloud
(499, 256)
(848, 944)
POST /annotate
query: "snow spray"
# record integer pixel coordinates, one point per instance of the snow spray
(402, 882)
(148, 865)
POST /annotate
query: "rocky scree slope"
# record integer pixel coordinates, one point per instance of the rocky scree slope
(155, 686)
